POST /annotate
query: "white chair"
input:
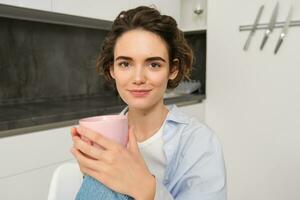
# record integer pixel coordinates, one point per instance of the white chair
(66, 181)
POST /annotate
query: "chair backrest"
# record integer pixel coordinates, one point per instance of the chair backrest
(66, 181)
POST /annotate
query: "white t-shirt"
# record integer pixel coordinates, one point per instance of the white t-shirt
(154, 155)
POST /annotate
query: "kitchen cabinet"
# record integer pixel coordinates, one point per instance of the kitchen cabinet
(105, 10)
(166, 7)
(10, 2)
(189, 20)
(28, 162)
(34, 4)
(99, 9)
(32, 185)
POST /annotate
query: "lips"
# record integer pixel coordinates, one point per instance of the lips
(139, 92)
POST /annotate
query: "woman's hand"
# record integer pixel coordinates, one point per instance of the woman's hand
(119, 168)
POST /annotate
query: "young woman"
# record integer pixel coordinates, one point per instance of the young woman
(169, 154)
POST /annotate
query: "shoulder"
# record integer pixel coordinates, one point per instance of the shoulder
(195, 135)
(199, 137)
(197, 150)
(189, 126)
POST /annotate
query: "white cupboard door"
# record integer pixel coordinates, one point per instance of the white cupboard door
(10, 2)
(45, 5)
(166, 7)
(98, 9)
(190, 21)
(23, 153)
(37, 4)
(28, 162)
(32, 185)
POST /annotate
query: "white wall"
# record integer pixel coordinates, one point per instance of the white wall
(253, 100)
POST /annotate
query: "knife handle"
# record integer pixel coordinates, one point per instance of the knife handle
(248, 42)
(266, 36)
(279, 43)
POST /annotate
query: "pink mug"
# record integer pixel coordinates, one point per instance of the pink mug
(114, 127)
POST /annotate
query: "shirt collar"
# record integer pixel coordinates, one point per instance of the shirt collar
(176, 115)
(124, 111)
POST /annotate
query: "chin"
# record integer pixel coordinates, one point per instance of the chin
(141, 104)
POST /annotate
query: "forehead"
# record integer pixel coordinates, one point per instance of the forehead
(140, 44)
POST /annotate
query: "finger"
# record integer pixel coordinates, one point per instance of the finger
(98, 138)
(95, 169)
(85, 170)
(87, 149)
(81, 166)
(82, 160)
(95, 174)
(74, 132)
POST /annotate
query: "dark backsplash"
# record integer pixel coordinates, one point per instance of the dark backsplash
(197, 42)
(41, 61)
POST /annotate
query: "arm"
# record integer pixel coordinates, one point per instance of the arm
(200, 175)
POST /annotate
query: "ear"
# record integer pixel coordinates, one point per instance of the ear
(111, 71)
(173, 73)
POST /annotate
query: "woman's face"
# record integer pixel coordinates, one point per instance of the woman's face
(141, 68)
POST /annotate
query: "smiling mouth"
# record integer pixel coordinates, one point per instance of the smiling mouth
(139, 93)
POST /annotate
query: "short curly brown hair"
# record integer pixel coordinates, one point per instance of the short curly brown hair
(148, 19)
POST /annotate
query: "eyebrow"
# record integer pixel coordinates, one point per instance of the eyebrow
(148, 59)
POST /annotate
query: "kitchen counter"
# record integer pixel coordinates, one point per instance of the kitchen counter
(25, 118)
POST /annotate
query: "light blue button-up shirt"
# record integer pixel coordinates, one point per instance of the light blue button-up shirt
(195, 165)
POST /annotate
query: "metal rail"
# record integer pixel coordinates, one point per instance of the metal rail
(265, 26)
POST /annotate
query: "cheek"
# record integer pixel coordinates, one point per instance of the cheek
(159, 80)
(121, 78)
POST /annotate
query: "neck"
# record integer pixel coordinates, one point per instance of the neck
(147, 122)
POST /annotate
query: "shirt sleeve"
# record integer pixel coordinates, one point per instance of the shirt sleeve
(205, 175)
(201, 173)
(161, 192)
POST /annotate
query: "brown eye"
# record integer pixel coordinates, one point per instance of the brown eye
(124, 64)
(154, 65)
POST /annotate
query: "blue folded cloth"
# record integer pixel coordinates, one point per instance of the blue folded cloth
(92, 189)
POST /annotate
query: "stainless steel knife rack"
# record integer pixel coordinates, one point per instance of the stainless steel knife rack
(265, 26)
(269, 27)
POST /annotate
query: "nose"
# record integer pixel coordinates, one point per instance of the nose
(139, 75)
